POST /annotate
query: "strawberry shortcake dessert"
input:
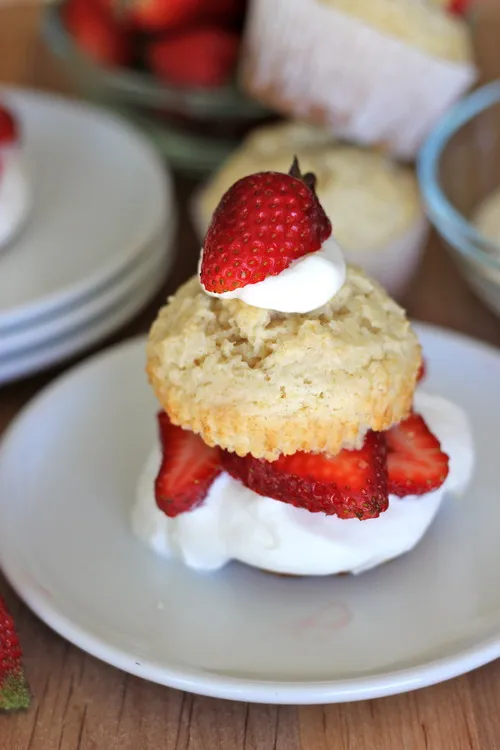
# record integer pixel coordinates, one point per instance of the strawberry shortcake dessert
(293, 436)
(15, 192)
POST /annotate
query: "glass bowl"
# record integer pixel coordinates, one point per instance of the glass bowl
(194, 128)
(458, 169)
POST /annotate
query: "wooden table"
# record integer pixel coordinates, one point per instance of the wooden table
(81, 703)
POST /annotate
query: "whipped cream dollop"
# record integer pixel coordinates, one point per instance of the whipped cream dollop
(234, 523)
(15, 192)
(308, 283)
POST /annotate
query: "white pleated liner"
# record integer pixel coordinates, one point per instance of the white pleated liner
(310, 60)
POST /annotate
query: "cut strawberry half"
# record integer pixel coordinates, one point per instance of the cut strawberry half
(163, 15)
(188, 468)
(415, 462)
(263, 223)
(352, 484)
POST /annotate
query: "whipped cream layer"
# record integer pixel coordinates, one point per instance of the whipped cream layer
(234, 523)
(15, 192)
(308, 283)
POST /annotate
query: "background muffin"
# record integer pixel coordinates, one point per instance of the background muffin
(374, 71)
(373, 202)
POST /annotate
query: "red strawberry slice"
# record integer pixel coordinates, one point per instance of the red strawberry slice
(352, 484)
(188, 468)
(14, 692)
(9, 130)
(204, 56)
(263, 223)
(415, 462)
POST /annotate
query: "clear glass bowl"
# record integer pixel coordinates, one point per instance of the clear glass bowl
(458, 168)
(194, 128)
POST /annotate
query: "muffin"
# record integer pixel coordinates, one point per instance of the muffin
(379, 220)
(291, 437)
(373, 71)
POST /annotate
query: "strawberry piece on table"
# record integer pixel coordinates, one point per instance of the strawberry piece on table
(263, 223)
(14, 691)
(96, 33)
(415, 462)
(352, 484)
(9, 130)
(200, 57)
(188, 468)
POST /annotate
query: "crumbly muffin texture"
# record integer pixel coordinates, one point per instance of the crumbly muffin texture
(373, 199)
(254, 381)
(424, 24)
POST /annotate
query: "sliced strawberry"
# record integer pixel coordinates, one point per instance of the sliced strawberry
(415, 462)
(188, 468)
(352, 484)
(96, 33)
(204, 56)
(9, 130)
(263, 223)
(281, 482)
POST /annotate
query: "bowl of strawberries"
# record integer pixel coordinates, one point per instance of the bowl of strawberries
(168, 65)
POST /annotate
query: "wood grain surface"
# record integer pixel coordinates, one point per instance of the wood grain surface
(80, 702)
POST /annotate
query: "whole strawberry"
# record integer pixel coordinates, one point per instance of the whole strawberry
(204, 57)
(14, 692)
(161, 15)
(263, 223)
(97, 33)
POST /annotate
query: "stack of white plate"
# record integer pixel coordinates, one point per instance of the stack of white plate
(97, 244)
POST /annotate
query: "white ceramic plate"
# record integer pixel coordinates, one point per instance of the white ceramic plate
(40, 332)
(85, 335)
(68, 470)
(100, 194)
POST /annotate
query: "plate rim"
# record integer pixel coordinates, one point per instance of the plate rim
(44, 330)
(49, 303)
(113, 317)
(209, 682)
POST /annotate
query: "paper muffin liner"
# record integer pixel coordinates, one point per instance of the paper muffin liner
(312, 62)
(394, 264)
